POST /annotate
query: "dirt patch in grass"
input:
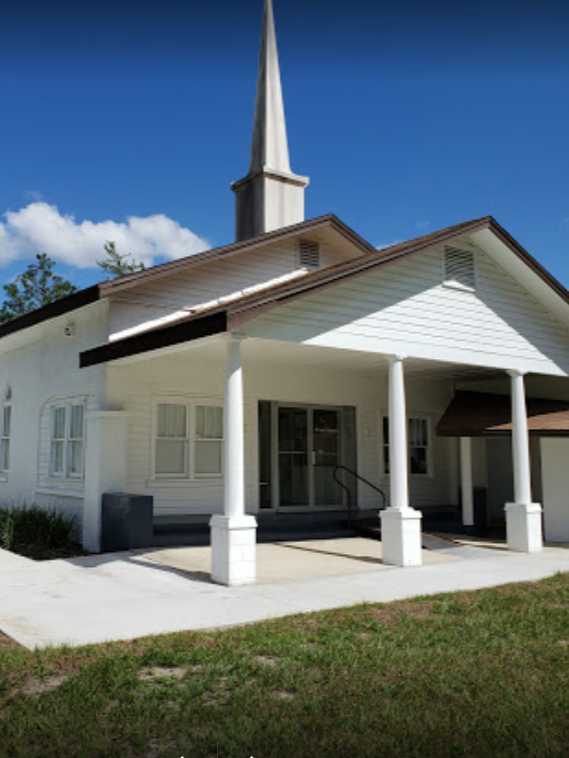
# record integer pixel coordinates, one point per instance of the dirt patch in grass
(283, 694)
(36, 686)
(154, 673)
(269, 661)
(393, 613)
(220, 694)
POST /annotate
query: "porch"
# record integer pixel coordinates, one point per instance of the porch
(241, 438)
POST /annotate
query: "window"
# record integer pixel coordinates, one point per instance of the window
(75, 441)
(459, 269)
(66, 440)
(208, 445)
(5, 438)
(57, 452)
(172, 440)
(189, 441)
(418, 443)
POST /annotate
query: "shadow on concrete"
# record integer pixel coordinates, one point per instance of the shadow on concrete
(333, 553)
(95, 561)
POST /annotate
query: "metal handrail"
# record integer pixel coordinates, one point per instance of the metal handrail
(348, 492)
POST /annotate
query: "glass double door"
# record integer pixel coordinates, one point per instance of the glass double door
(309, 449)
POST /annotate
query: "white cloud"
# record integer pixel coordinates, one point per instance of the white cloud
(387, 244)
(41, 228)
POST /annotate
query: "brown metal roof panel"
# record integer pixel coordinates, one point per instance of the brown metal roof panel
(481, 414)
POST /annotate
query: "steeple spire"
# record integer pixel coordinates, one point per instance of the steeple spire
(270, 144)
(270, 196)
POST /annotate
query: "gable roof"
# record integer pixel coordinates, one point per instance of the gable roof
(329, 221)
(242, 307)
(108, 287)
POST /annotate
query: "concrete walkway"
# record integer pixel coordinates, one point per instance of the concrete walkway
(127, 595)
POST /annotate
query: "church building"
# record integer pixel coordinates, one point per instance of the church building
(299, 378)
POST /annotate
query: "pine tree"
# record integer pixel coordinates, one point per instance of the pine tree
(115, 264)
(36, 287)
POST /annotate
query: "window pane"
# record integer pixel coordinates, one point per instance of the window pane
(265, 454)
(7, 420)
(208, 457)
(209, 422)
(56, 458)
(170, 456)
(5, 454)
(386, 459)
(76, 430)
(417, 431)
(293, 470)
(75, 458)
(58, 426)
(293, 430)
(172, 421)
(419, 460)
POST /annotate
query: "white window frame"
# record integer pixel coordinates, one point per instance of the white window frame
(66, 440)
(205, 440)
(191, 405)
(385, 443)
(184, 475)
(69, 440)
(6, 439)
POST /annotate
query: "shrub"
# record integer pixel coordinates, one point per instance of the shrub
(36, 532)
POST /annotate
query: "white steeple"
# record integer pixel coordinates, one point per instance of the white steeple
(270, 144)
(270, 196)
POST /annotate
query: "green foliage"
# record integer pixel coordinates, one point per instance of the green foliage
(114, 264)
(36, 287)
(36, 532)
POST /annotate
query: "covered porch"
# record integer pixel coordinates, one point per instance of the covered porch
(292, 416)
(233, 533)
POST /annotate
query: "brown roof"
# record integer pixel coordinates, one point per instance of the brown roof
(238, 308)
(481, 414)
(106, 288)
(164, 269)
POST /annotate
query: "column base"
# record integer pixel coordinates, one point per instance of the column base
(233, 549)
(401, 536)
(523, 527)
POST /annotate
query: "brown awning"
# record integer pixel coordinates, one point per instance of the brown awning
(479, 414)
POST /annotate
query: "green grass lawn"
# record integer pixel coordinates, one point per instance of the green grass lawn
(481, 673)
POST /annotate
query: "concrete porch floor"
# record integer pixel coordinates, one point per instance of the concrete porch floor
(297, 560)
(126, 595)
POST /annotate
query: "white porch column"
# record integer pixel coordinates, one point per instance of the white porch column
(105, 469)
(233, 534)
(523, 518)
(400, 524)
(466, 481)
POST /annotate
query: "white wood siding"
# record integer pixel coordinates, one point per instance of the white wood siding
(405, 307)
(209, 282)
(43, 367)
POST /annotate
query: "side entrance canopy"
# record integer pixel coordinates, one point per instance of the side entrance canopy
(481, 414)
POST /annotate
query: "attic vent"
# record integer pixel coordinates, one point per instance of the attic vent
(309, 253)
(459, 268)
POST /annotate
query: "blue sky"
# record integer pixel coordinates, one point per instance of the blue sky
(407, 117)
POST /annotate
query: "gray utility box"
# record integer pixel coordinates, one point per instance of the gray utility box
(127, 521)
